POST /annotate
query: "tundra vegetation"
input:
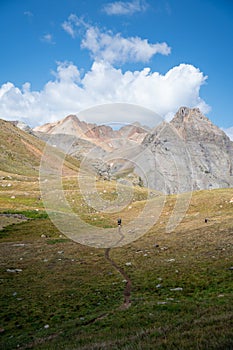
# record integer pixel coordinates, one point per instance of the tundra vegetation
(59, 294)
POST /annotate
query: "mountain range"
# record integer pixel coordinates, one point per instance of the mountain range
(188, 153)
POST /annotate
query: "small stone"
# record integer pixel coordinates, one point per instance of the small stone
(161, 302)
(13, 270)
(159, 286)
(176, 289)
(128, 264)
(60, 252)
(46, 326)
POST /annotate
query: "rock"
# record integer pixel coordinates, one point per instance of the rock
(128, 264)
(46, 326)
(189, 145)
(14, 270)
(23, 126)
(159, 286)
(189, 153)
(176, 289)
(164, 248)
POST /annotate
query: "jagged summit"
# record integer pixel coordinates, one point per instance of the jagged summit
(189, 153)
(191, 124)
(191, 147)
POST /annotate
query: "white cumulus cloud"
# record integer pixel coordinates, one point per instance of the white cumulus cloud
(69, 93)
(125, 7)
(110, 47)
(117, 49)
(73, 24)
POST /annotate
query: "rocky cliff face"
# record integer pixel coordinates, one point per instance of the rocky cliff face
(189, 153)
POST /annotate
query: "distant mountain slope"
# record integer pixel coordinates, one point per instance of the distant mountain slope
(102, 136)
(189, 153)
(21, 152)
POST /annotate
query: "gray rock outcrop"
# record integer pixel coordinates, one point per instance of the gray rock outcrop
(189, 153)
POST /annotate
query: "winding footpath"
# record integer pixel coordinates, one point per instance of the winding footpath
(127, 291)
(128, 286)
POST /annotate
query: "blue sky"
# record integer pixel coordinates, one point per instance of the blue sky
(60, 57)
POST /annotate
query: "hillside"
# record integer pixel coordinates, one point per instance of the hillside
(21, 152)
(189, 153)
(162, 291)
(159, 291)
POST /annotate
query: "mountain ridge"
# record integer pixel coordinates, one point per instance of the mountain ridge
(188, 153)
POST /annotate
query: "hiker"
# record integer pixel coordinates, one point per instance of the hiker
(119, 222)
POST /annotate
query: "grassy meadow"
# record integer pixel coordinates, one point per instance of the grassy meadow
(58, 294)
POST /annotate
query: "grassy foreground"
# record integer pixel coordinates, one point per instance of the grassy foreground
(58, 294)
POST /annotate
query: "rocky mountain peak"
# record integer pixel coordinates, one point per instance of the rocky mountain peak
(21, 125)
(189, 153)
(191, 124)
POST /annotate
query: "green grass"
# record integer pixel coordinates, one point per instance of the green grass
(30, 214)
(73, 288)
